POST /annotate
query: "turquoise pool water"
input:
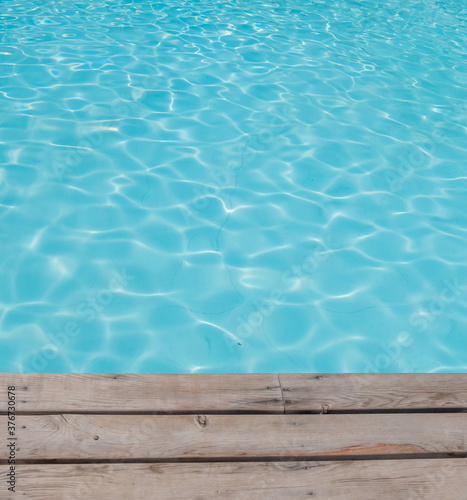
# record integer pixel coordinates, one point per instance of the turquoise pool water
(194, 186)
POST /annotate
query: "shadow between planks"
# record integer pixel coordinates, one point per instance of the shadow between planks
(329, 436)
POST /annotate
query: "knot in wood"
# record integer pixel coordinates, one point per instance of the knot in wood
(325, 408)
(202, 420)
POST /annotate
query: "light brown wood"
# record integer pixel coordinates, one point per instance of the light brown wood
(146, 437)
(316, 393)
(362, 480)
(233, 418)
(83, 393)
(232, 393)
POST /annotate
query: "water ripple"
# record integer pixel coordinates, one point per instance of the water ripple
(196, 187)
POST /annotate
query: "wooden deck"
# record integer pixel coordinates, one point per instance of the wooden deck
(268, 436)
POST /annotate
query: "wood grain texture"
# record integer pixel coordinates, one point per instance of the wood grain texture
(361, 480)
(193, 393)
(147, 437)
(235, 418)
(316, 393)
(235, 393)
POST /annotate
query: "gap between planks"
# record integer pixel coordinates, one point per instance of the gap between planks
(252, 460)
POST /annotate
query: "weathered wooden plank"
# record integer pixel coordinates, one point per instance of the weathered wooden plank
(147, 437)
(235, 392)
(316, 393)
(173, 393)
(359, 480)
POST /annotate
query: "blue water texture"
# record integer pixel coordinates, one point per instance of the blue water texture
(243, 186)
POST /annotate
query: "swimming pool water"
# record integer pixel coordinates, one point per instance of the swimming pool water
(246, 186)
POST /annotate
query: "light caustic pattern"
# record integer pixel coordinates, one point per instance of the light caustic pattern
(194, 186)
